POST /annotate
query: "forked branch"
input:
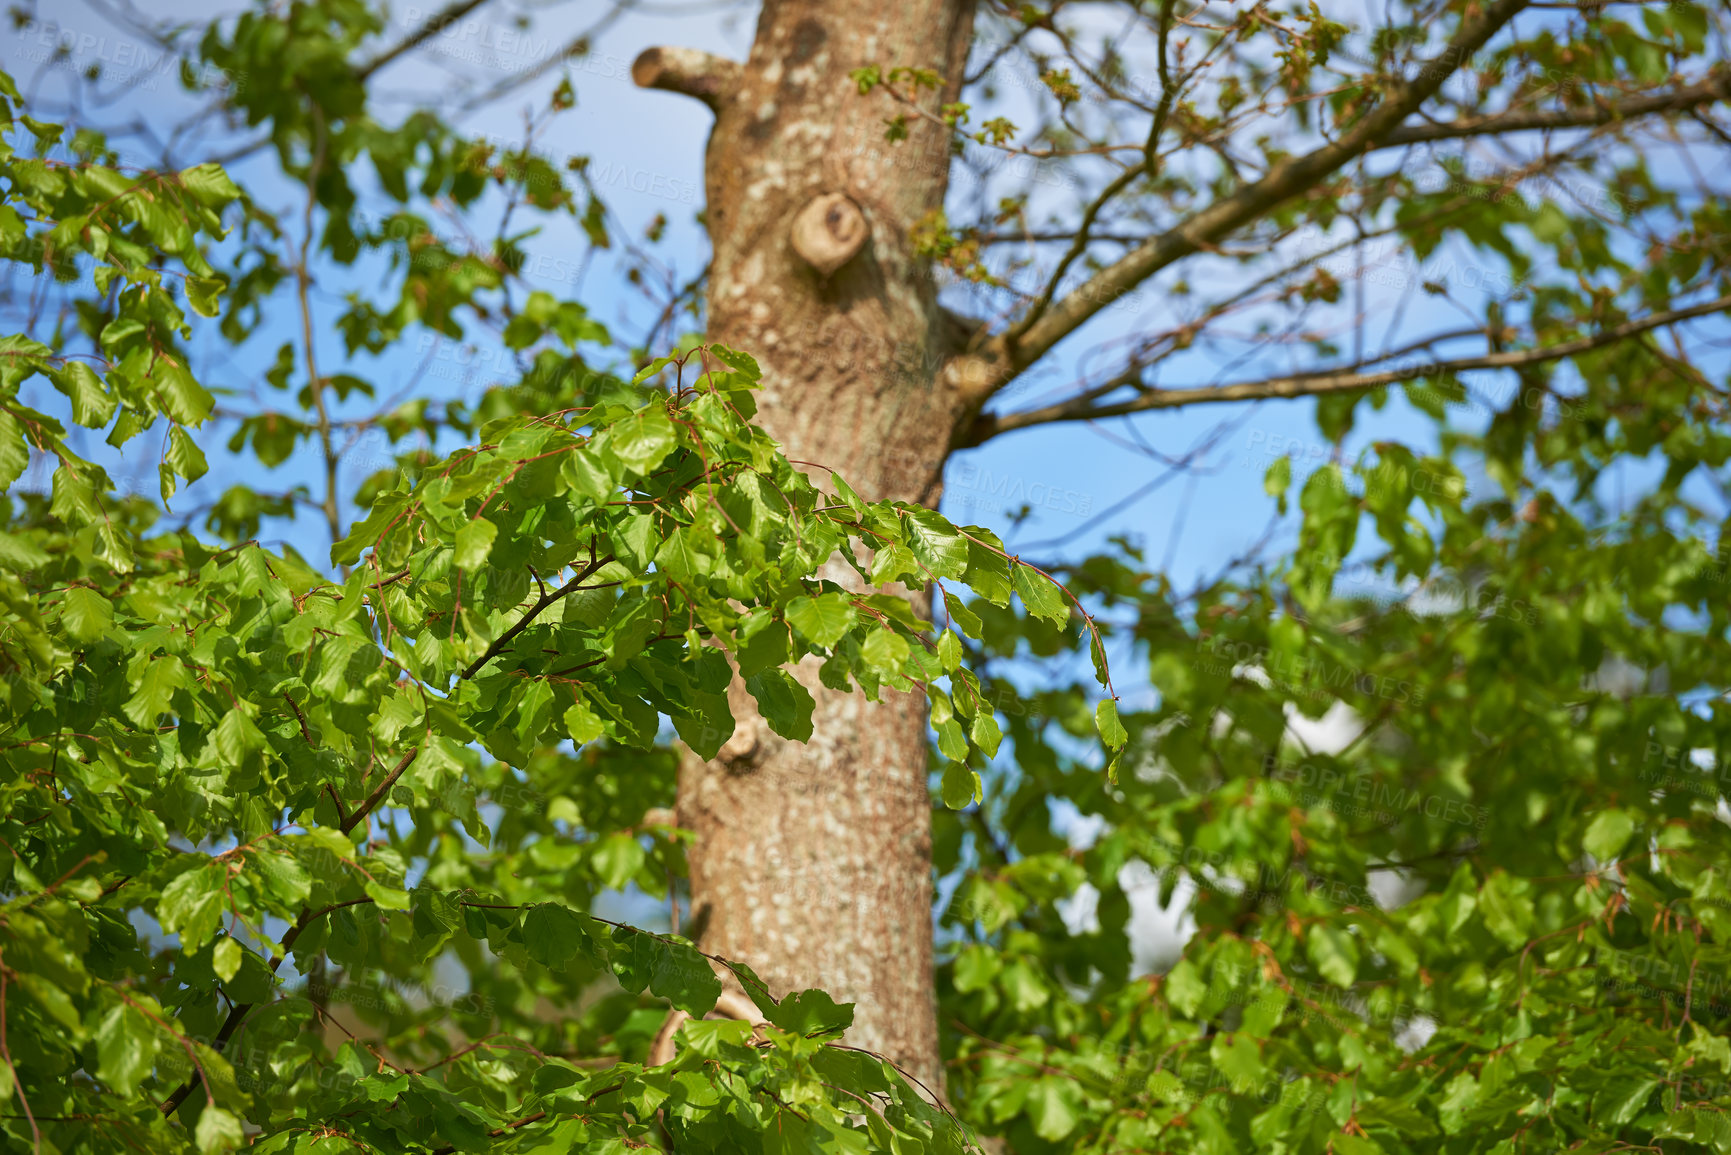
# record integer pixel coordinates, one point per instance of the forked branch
(1021, 346)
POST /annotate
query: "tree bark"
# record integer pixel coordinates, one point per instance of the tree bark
(812, 861)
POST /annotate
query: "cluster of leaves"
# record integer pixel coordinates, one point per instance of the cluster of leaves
(1489, 912)
(69, 218)
(219, 759)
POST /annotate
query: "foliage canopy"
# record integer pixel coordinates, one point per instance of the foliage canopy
(243, 787)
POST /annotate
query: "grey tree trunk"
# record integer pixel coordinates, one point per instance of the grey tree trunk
(812, 861)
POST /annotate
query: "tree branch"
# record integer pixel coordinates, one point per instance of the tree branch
(307, 918)
(1715, 88)
(239, 1010)
(378, 794)
(1339, 381)
(438, 20)
(531, 614)
(1005, 357)
(690, 72)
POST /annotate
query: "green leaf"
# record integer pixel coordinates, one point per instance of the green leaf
(785, 704)
(474, 544)
(183, 399)
(885, 651)
(236, 736)
(582, 724)
(226, 959)
(1112, 731)
(942, 550)
(218, 1131)
(555, 935)
(192, 906)
(988, 572)
(810, 1013)
(1055, 1106)
(14, 453)
(617, 858)
(737, 361)
(642, 441)
(1041, 596)
(1334, 952)
(184, 455)
(93, 405)
(961, 786)
(1347, 1144)
(1278, 479)
(1506, 908)
(1617, 1105)
(984, 731)
(21, 554)
(952, 743)
(209, 185)
(387, 897)
(949, 651)
(823, 620)
(126, 1049)
(205, 295)
(1607, 835)
(152, 691)
(86, 615)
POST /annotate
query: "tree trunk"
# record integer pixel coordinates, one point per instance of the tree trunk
(812, 861)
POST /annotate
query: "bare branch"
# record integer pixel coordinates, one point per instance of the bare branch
(1284, 180)
(688, 71)
(1715, 88)
(1333, 381)
(436, 22)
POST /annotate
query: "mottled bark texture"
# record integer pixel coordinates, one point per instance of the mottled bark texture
(812, 861)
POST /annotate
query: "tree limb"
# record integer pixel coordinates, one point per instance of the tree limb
(437, 21)
(1715, 88)
(529, 616)
(690, 72)
(239, 1011)
(1288, 178)
(378, 794)
(1338, 381)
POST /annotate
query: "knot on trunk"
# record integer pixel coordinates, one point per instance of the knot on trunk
(739, 753)
(828, 231)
